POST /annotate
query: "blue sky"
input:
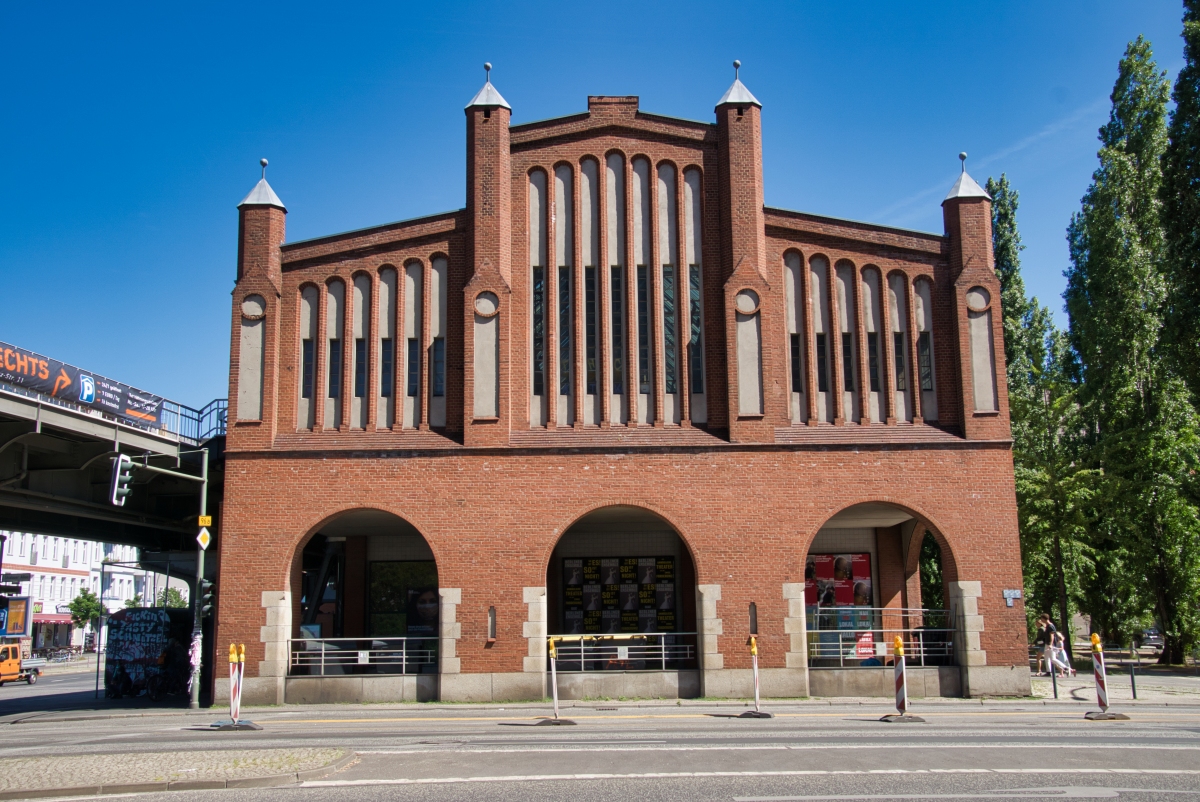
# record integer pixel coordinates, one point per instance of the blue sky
(131, 131)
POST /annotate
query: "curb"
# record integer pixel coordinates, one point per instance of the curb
(269, 781)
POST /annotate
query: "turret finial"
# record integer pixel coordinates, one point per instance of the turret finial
(737, 65)
(487, 71)
(962, 157)
(263, 162)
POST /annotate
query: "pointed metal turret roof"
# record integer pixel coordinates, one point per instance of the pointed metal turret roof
(737, 92)
(965, 186)
(262, 194)
(488, 96)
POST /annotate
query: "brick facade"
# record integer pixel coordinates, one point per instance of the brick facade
(746, 493)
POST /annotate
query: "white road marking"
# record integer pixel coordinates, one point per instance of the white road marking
(1066, 792)
(776, 748)
(658, 775)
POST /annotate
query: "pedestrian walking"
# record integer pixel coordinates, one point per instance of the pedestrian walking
(1058, 651)
(1044, 643)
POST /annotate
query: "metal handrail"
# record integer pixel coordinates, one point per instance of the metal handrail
(326, 656)
(193, 426)
(840, 637)
(649, 651)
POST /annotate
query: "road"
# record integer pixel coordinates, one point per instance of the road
(1002, 750)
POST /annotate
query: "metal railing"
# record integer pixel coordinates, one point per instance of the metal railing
(848, 637)
(193, 426)
(660, 651)
(324, 657)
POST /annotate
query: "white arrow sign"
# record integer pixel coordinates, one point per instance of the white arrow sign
(204, 538)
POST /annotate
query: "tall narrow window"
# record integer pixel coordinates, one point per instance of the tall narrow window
(307, 364)
(617, 301)
(898, 349)
(873, 359)
(643, 321)
(565, 353)
(670, 356)
(335, 368)
(387, 366)
(797, 376)
(695, 348)
(590, 329)
(360, 368)
(925, 358)
(847, 362)
(414, 367)
(439, 367)
(539, 330)
(822, 366)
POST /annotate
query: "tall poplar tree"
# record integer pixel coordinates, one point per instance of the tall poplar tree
(1181, 206)
(1053, 488)
(1142, 429)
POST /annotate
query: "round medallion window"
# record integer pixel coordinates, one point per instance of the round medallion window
(978, 299)
(486, 304)
(747, 302)
(254, 306)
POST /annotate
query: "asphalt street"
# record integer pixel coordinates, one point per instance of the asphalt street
(965, 750)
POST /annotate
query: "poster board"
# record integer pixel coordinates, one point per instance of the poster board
(619, 595)
(16, 620)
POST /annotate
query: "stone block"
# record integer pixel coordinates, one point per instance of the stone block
(798, 644)
(709, 592)
(997, 681)
(277, 598)
(975, 657)
(451, 665)
(262, 691)
(713, 661)
(533, 595)
(793, 626)
(518, 687)
(713, 626)
(796, 608)
(274, 634)
(450, 595)
(965, 589)
(279, 617)
(533, 629)
(450, 629)
(272, 668)
(449, 647)
(466, 688)
(537, 612)
(385, 688)
(782, 683)
(534, 663)
(968, 605)
(280, 651)
(793, 591)
(728, 683)
(324, 690)
(796, 660)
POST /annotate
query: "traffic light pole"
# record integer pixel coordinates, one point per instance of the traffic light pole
(197, 605)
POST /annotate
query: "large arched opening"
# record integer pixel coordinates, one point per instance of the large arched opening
(368, 599)
(873, 572)
(621, 591)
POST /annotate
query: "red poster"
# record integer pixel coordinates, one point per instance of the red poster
(838, 580)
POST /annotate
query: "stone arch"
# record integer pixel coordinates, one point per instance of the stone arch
(658, 554)
(366, 535)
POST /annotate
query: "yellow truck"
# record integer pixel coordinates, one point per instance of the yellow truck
(15, 669)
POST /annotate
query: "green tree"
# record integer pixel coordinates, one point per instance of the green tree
(1052, 488)
(1181, 206)
(171, 597)
(1141, 429)
(85, 608)
(136, 601)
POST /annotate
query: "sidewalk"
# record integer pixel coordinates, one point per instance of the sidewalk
(142, 772)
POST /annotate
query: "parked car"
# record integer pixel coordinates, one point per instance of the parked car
(1151, 638)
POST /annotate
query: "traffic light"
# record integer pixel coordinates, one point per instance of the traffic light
(122, 477)
(207, 591)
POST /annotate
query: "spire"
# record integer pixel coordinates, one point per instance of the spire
(488, 96)
(737, 93)
(262, 194)
(965, 186)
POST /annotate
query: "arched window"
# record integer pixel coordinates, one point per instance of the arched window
(538, 209)
(923, 314)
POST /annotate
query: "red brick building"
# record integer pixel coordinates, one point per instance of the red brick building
(617, 396)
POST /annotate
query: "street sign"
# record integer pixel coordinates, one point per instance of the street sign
(16, 577)
(204, 538)
(10, 590)
(205, 520)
